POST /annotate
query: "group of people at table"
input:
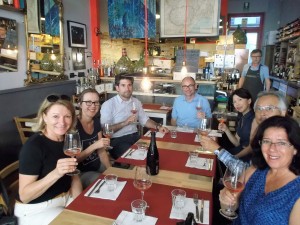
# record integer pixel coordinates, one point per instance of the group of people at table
(272, 190)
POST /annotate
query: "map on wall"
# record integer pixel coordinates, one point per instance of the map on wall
(202, 18)
(126, 18)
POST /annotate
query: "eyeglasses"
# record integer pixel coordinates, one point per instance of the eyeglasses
(255, 56)
(278, 145)
(89, 103)
(188, 86)
(267, 108)
(55, 98)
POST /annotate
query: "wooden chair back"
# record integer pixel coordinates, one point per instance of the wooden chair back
(9, 185)
(24, 126)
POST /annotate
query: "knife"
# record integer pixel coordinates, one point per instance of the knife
(128, 152)
(94, 188)
(202, 209)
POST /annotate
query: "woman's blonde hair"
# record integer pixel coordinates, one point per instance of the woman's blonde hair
(47, 104)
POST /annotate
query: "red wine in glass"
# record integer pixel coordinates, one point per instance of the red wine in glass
(134, 111)
(142, 180)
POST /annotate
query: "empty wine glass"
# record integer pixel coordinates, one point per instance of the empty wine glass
(142, 180)
(72, 147)
(204, 128)
(234, 181)
(108, 132)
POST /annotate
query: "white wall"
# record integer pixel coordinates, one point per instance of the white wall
(75, 10)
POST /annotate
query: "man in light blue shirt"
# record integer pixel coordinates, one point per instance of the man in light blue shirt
(123, 111)
(185, 111)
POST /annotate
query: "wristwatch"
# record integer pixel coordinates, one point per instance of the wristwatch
(217, 151)
(158, 126)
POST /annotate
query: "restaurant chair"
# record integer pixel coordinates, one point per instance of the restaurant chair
(24, 126)
(9, 185)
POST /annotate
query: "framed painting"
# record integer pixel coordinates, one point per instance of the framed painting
(76, 34)
(202, 18)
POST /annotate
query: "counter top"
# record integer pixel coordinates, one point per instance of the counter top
(167, 79)
(294, 84)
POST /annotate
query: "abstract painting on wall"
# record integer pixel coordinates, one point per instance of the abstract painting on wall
(51, 10)
(126, 18)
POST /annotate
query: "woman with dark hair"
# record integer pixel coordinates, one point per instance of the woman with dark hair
(243, 104)
(272, 191)
(93, 160)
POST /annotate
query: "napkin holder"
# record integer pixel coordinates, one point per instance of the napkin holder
(190, 220)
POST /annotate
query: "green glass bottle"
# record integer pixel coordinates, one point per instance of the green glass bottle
(46, 62)
(124, 64)
(239, 36)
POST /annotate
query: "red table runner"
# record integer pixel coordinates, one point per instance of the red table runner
(175, 161)
(158, 197)
(182, 138)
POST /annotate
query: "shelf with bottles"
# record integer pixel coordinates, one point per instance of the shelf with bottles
(11, 7)
(289, 31)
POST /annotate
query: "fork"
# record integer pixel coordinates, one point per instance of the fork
(196, 201)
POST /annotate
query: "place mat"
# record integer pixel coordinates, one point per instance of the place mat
(158, 134)
(104, 193)
(154, 196)
(127, 218)
(213, 133)
(182, 138)
(175, 161)
(136, 154)
(202, 163)
(191, 207)
(185, 129)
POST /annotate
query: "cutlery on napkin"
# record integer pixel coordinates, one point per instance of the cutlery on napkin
(127, 218)
(190, 207)
(105, 193)
(158, 134)
(202, 163)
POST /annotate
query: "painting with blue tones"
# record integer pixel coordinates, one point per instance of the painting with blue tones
(51, 18)
(126, 18)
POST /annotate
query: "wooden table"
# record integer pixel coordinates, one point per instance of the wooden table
(86, 210)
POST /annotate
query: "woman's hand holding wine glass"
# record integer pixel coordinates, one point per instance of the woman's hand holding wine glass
(142, 179)
(204, 128)
(222, 118)
(234, 182)
(108, 132)
(72, 147)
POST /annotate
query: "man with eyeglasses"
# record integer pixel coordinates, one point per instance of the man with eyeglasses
(255, 76)
(268, 104)
(185, 111)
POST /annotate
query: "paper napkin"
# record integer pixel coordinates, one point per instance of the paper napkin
(127, 218)
(213, 133)
(158, 134)
(202, 163)
(185, 129)
(165, 107)
(104, 193)
(137, 154)
(190, 206)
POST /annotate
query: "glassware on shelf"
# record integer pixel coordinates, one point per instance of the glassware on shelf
(57, 64)
(139, 65)
(46, 62)
(124, 64)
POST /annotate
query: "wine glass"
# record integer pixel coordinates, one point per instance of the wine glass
(108, 132)
(222, 118)
(234, 181)
(72, 147)
(133, 109)
(198, 106)
(204, 128)
(142, 179)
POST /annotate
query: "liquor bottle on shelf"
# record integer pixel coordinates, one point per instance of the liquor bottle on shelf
(152, 161)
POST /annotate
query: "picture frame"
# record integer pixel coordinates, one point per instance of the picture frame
(76, 34)
(203, 22)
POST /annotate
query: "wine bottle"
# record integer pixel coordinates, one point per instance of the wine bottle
(152, 156)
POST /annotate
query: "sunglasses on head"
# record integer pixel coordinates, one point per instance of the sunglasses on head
(55, 98)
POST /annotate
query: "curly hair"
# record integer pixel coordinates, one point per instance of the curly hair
(292, 130)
